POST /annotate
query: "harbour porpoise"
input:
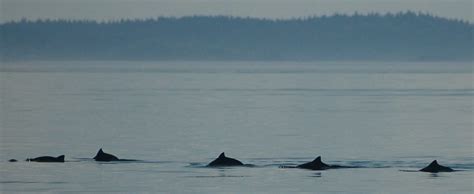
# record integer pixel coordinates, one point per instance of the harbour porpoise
(434, 167)
(47, 159)
(222, 160)
(317, 164)
(105, 157)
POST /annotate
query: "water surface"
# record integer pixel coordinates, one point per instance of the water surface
(177, 116)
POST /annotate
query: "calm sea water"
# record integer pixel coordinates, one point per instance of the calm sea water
(177, 116)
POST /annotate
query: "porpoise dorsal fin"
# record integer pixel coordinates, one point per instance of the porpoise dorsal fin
(435, 167)
(222, 155)
(100, 152)
(60, 157)
(318, 159)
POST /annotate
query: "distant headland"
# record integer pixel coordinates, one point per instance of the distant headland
(404, 36)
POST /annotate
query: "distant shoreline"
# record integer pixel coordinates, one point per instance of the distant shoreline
(231, 61)
(405, 36)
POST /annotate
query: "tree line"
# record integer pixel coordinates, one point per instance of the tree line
(399, 36)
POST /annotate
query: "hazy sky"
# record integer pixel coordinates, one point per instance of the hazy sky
(114, 9)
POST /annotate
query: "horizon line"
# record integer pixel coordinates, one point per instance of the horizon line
(313, 16)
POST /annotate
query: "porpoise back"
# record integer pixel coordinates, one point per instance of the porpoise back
(47, 159)
(105, 157)
(434, 167)
(222, 160)
(316, 164)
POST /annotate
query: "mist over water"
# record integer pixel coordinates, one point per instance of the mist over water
(177, 116)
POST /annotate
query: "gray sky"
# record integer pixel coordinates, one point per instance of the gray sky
(115, 9)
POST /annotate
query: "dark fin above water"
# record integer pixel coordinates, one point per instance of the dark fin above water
(13, 160)
(60, 158)
(222, 160)
(316, 164)
(105, 157)
(434, 167)
(222, 155)
(47, 159)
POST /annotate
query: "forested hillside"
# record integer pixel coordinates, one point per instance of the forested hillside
(401, 36)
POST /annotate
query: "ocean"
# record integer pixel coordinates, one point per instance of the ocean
(385, 118)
